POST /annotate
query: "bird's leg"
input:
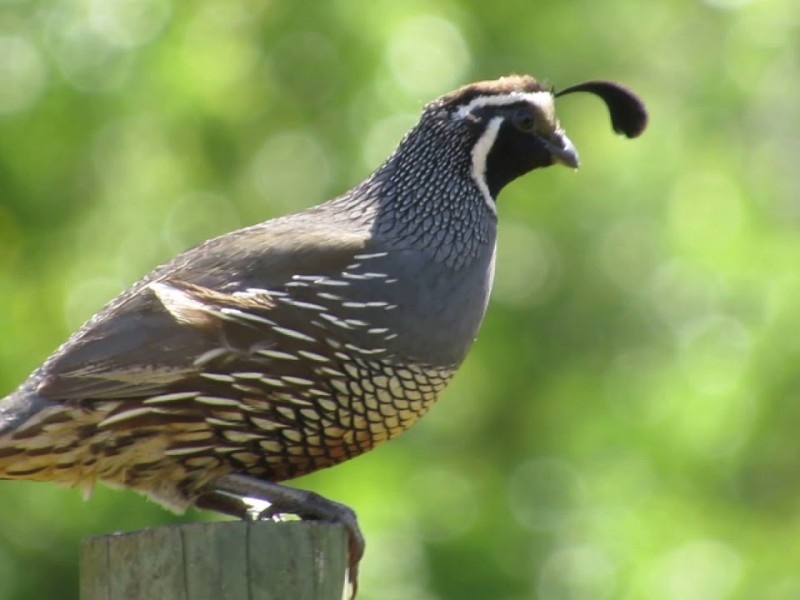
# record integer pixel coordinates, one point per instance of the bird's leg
(284, 499)
(224, 504)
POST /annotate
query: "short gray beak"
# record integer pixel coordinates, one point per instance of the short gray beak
(563, 151)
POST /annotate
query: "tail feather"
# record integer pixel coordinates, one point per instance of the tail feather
(67, 443)
(18, 408)
(31, 442)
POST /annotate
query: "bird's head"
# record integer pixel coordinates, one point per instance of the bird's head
(514, 129)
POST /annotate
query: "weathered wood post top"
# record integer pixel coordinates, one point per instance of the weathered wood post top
(229, 560)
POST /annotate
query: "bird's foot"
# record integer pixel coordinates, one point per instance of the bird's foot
(229, 491)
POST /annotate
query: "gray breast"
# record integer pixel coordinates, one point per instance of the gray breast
(404, 303)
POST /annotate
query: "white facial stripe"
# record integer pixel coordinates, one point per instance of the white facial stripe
(480, 152)
(543, 100)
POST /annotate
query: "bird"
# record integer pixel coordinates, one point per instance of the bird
(298, 343)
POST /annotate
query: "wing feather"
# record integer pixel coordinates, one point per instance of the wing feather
(158, 335)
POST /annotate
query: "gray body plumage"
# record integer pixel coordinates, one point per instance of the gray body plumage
(423, 247)
(393, 275)
(295, 344)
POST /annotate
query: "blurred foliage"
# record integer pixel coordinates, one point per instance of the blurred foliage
(626, 425)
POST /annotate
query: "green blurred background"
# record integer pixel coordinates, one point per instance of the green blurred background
(627, 424)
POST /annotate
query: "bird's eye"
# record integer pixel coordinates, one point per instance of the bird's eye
(523, 119)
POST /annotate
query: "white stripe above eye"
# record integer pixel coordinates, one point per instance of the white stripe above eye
(543, 100)
(480, 153)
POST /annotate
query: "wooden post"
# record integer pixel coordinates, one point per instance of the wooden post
(230, 560)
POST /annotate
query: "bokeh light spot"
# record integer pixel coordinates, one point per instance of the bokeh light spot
(22, 73)
(544, 493)
(576, 573)
(714, 353)
(86, 59)
(85, 296)
(384, 136)
(629, 251)
(706, 209)
(427, 55)
(397, 568)
(129, 23)
(531, 269)
(281, 167)
(199, 216)
(727, 4)
(12, 238)
(699, 570)
(450, 505)
(681, 293)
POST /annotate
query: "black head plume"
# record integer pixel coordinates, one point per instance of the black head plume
(628, 113)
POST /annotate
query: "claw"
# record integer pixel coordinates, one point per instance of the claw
(305, 504)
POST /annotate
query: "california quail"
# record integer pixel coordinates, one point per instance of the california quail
(301, 342)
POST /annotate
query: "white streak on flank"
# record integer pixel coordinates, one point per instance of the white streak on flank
(327, 296)
(129, 414)
(543, 100)
(354, 304)
(171, 397)
(333, 343)
(356, 322)
(365, 351)
(332, 282)
(336, 321)
(247, 375)
(271, 381)
(293, 334)
(277, 354)
(266, 425)
(313, 356)
(235, 313)
(258, 292)
(290, 379)
(332, 372)
(227, 314)
(364, 304)
(187, 450)
(216, 401)
(297, 400)
(208, 356)
(299, 304)
(364, 276)
(368, 256)
(214, 377)
(480, 153)
(219, 422)
(246, 389)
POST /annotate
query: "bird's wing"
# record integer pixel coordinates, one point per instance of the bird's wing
(211, 303)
